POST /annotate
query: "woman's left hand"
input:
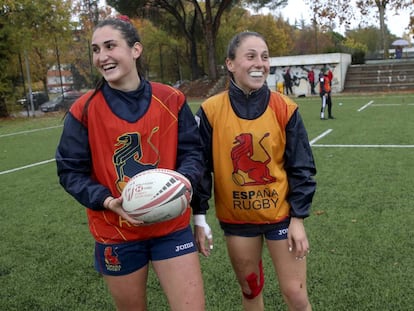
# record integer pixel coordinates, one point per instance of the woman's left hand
(297, 239)
(115, 205)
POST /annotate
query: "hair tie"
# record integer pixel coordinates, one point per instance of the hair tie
(124, 18)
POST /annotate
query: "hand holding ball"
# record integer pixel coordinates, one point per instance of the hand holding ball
(157, 195)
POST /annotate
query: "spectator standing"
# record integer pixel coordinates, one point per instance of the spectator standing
(330, 76)
(325, 68)
(279, 86)
(288, 81)
(311, 79)
(398, 52)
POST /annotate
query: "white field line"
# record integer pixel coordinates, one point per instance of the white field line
(33, 164)
(313, 141)
(31, 131)
(389, 105)
(386, 105)
(363, 146)
(26, 166)
(319, 137)
(365, 106)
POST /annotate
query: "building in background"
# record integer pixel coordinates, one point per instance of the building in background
(54, 76)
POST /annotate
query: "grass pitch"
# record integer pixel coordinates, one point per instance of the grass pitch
(360, 230)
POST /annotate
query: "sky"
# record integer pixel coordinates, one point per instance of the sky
(298, 10)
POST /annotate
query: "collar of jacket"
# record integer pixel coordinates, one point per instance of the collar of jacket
(248, 106)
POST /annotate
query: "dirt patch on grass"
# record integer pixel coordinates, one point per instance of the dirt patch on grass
(198, 89)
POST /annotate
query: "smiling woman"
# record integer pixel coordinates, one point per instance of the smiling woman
(110, 135)
(260, 167)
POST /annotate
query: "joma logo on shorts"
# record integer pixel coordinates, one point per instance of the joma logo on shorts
(184, 246)
(283, 231)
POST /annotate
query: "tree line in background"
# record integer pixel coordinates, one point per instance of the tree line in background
(183, 39)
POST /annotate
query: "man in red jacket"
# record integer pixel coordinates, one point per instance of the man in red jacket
(311, 79)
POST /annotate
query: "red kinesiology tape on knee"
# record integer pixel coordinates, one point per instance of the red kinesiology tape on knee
(255, 287)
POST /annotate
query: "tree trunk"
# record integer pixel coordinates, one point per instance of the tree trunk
(211, 54)
(381, 8)
(195, 68)
(3, 108)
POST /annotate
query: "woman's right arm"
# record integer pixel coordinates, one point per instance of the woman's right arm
(74, 166)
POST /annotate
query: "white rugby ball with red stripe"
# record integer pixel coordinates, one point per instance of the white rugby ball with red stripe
(157, 195)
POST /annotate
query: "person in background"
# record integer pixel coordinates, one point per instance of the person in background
(325, 68)
(256, 147)
(311, 79)
(288, 82)
(279, 87)
(123, 127)
(330, 76)
(325, 93)
(398, 52)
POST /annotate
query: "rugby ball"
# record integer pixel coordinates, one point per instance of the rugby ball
(156, 195)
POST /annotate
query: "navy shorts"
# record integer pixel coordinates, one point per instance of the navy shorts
(277, 231)
(125, 258)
